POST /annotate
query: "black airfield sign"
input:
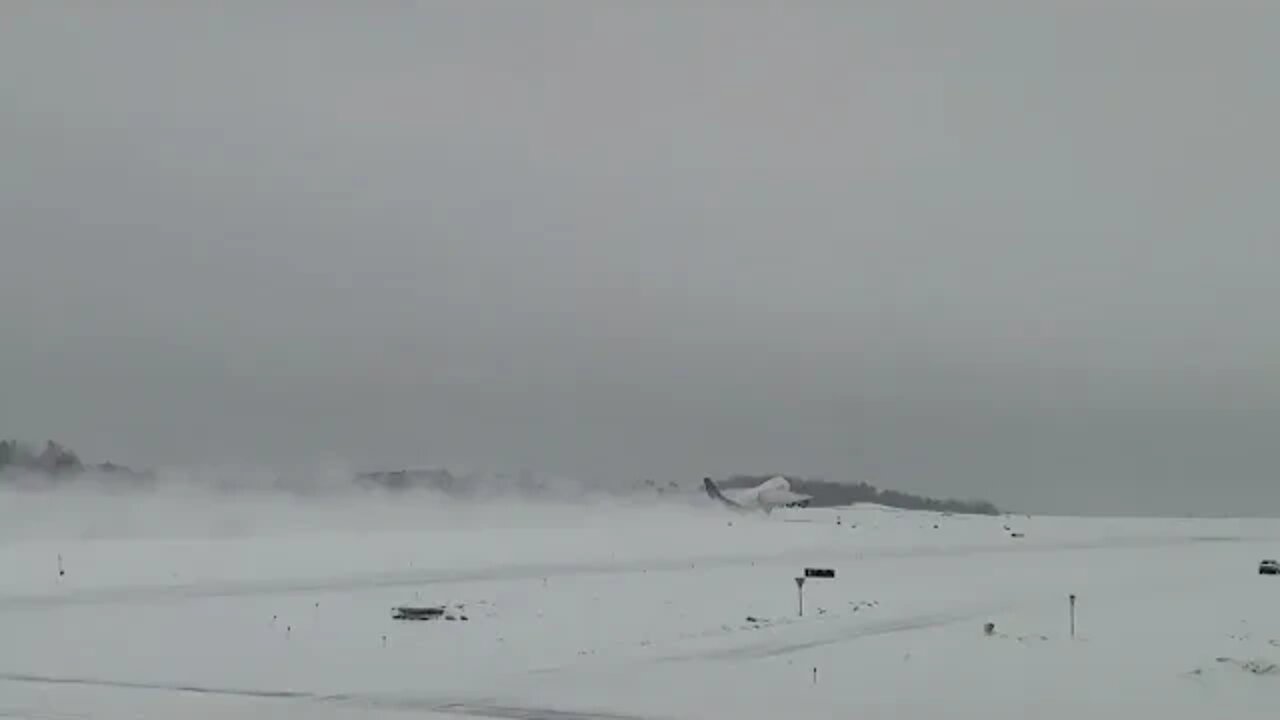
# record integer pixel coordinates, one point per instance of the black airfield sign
(819, 572)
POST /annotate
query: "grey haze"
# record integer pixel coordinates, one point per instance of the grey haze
(1023, 251)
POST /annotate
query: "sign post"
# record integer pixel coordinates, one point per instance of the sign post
(800, 593)
(1072, 600)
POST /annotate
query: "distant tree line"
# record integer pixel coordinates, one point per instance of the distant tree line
(57, 461)
(54, 459)
(54, 462)
(831, 494)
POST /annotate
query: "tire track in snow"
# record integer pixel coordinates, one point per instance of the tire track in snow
(845, 632)
(884, 627)
(21, 713)
(514, 712)
(775, 647)
(174, 687)
(475, 708)
(153, 594)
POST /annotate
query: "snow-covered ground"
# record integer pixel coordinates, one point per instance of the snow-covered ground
(255, 608)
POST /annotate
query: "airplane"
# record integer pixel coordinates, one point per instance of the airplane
(772, 493)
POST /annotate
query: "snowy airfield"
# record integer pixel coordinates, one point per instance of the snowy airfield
(263, 607)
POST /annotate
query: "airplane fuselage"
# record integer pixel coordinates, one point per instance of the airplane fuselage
(773, 493)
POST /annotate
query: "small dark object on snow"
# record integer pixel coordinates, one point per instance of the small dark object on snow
(1269, 567)
(1017, 535)
(406, 612)
(989, 629)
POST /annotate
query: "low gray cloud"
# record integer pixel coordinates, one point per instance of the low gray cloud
(1023, 253)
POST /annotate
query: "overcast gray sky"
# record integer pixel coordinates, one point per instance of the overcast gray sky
(1026, 251)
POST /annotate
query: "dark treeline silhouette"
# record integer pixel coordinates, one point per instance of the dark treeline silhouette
(58, 463)
(54, 459)
(55, 462)
(829, 494)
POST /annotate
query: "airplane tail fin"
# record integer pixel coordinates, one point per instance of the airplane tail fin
(713, 492)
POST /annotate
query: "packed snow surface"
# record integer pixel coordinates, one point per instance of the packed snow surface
(200, 609)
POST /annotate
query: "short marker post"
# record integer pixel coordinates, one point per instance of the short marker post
(1072, 600)
(800, 593)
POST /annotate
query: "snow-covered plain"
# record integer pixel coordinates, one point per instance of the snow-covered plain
(259, 607)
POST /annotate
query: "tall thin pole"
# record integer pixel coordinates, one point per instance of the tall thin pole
(1073, 615)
